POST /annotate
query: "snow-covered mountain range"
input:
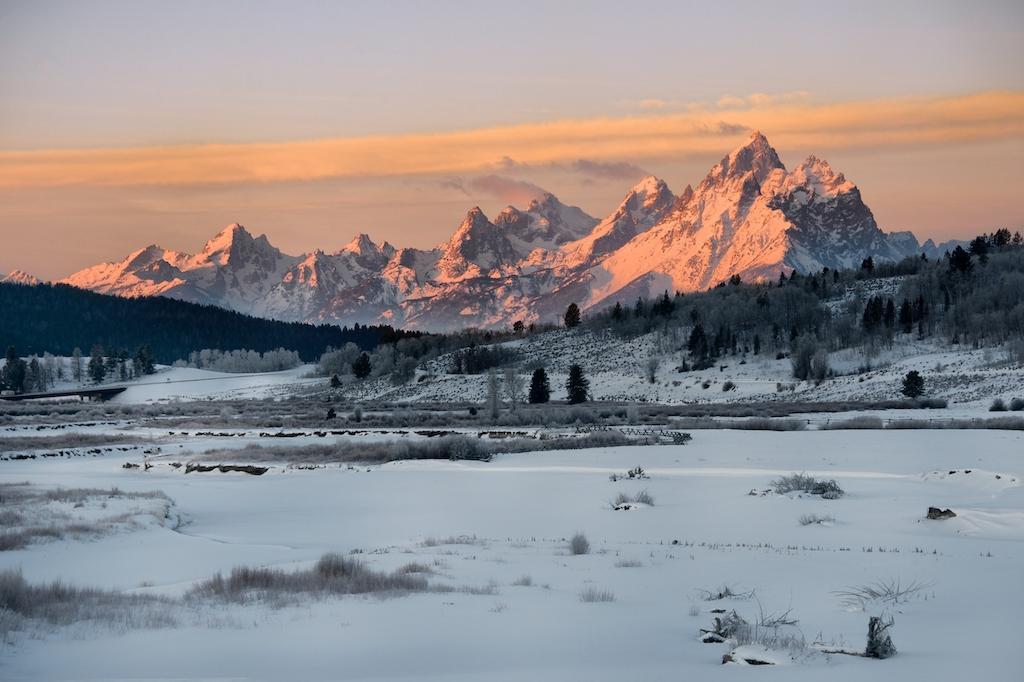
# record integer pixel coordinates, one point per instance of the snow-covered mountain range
(20, 277)
(750, 217)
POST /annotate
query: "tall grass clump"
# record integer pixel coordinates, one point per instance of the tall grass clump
(892, 591)
(332, 574)
(58, 604)
(592, 594)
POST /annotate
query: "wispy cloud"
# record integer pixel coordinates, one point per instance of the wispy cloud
(789, 122)
(608, 170)
(506, 189)
(592, 168)
(764, 99)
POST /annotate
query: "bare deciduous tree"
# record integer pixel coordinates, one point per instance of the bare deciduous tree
(514, 388)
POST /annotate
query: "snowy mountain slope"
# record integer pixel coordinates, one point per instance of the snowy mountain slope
(750, 216)
(20, 277)
(233, 270)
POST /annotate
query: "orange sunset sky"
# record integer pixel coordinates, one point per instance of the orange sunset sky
(129, 123)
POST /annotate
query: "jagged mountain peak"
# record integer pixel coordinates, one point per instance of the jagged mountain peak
(144, 256)
(20, 277)
(648, 184)
(820, 171)
(236, 244)
(547, 199)
(756, 156)
(361, 244)
(683, 199)
(226, 237)
(474, 221)
(648, 195)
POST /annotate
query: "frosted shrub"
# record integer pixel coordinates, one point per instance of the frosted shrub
(579, 544)
(802, 483)
(815, 519)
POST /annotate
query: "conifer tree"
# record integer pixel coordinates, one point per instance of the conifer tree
(14, 371)
(577, 385)
(97, 370)
(913, 384)
(540, 389)
(906, 318)
(572, 316)
(361, 368)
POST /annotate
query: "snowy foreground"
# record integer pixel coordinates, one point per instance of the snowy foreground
(502, 529)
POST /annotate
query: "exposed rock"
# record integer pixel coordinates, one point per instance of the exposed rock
(940, 514)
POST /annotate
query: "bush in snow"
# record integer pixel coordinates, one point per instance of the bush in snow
(579, 544)
(815, 519)
(862, 422)
(997, 406)
(624, 501)
(802, 483)
(1017, 404)
(728, 386)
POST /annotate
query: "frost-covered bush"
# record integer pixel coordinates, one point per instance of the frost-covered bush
(861, 422)
(802, 483)
(241, 361)
(1017, 404)
(642, 497)
(816, 519)
(579, 544)
(997, 406)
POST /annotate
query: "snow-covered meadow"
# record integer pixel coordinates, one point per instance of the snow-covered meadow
(508, 600)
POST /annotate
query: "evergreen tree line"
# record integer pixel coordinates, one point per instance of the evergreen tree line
(38, 375)
(478, 359)
(57, 318)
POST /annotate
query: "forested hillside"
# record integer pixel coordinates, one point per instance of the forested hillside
(59, 318)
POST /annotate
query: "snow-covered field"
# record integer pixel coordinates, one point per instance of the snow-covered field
(502, 528)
